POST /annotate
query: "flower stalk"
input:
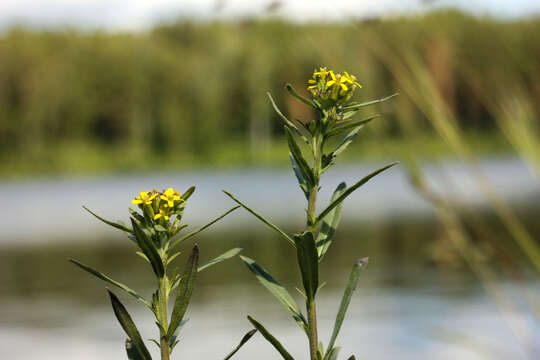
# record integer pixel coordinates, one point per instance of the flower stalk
(155, 228)
(331, 95)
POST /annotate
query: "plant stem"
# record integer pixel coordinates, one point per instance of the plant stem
(312, 226)
(163, 299)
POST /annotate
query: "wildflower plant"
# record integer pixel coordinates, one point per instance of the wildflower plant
(330, 98)
(156, 230)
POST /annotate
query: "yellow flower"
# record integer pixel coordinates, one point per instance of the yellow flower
(162, 213)
(145, 197)
(327, 85)
(170, 196)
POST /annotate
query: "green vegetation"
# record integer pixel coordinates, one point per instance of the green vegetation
(155, 230)
(186, 93)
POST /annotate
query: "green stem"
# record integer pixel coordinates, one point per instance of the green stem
(312, 226)
(163, 299)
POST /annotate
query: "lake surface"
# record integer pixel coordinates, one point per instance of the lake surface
(417, 300)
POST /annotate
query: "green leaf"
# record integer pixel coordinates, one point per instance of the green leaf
(226, 255)
(302, 181)
(277, 290)
(349, 190)
(111, 281)
(174, 256)
(352, 358)
(349, 125)
(174, 339)
(132, 352)
(298, 157)
(329, 224)
(129, 327)
(188, 193)
(361, 105)
(272, 226)
(160, 228)
(185, 289)
(294, 94)
(308, 261)
(345, 142)
(287, 121)
(346, 299)
(271, 339)
(244, 340)
(176, 242)
(149, 249)
(111, 223)
(333, 354)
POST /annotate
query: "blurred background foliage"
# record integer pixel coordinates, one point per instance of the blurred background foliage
(190, 93)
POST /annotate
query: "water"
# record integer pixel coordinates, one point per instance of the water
(412, 303)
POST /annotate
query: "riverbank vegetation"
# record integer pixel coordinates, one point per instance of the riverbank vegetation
(186, 94)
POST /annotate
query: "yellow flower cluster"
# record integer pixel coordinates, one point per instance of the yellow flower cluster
(163, 203)
(325, 85)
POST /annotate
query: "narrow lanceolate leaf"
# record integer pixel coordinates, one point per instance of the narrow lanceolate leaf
(176, 242)
(349, 125)
(277, 290)
(361, 105)
(271, 339)
(350, 190)
(288, 122)
(347, 140)
(149, 249)
(129, 327)
(111, 281)
(308, 261)
(346, 299)
(111, 223)
(188, 193)
(185, 289)
(268, 223)
(132, 352)
(302, 181)
(329, 224)
(294, 94)
(244, 340)
(226, 255)
(298, 156)
(352, 358)
(332, 354)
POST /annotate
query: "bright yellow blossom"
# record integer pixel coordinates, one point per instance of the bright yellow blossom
(327, 85)
(170, 196)
(145, 197)
(163, 212)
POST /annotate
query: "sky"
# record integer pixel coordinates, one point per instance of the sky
(142, 14)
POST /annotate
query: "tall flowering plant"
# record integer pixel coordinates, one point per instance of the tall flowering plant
(330, 98)
(156, 226)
